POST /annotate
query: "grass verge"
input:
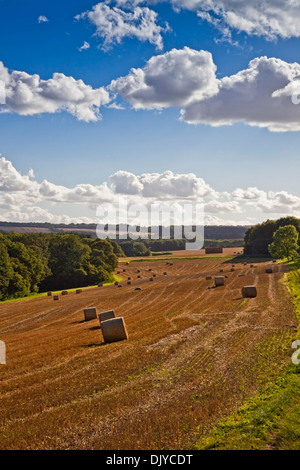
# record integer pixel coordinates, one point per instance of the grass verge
(270, 419)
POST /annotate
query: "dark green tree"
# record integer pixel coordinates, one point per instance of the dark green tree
(6, 270)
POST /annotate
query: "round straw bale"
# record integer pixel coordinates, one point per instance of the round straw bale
(114, 330)
(49, 294)
(249, 292)
(269, 270)
(56, 297)
(219, 281)
(103, 316)
(90, 313)
(208, 278)
(64, 292)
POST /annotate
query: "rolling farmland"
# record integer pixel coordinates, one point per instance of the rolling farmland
(194, 354)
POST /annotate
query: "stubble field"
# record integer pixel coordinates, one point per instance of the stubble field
(194, 354)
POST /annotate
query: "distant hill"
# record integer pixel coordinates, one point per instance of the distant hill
(211, 232)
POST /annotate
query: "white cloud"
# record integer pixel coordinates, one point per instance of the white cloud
(176, 78)
(40, 215)
(248, 194)
(11, 180)
(116, 106)
(114, 24)
(222, 207)
(281, 203)
(161, 185)
(43, 19)
(85, 46)
(29, 95)
(215, 220)
(268, 18)
(258, 96)
(177, 186)
(23, 198)
(262, 95)
(82, 193)
(124, 182)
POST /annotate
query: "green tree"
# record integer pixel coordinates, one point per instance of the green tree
(68, 262)
(103, 261)
(259, 237)
(285, 243)
(132, 248)
(6, 270)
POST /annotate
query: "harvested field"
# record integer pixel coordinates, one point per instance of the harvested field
(194, 354)
(192, 254)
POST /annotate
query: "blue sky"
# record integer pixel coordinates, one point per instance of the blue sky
(225, 136)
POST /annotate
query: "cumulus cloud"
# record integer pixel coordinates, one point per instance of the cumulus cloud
(272, 202)
(258, 96)
(82, 193)
(176, 78)
(222, 207)
(13, 181)
(124, 182)
(161, 185)
(280, 203)
(24, 199)
(29, 95)
(265, 94)
(113, 24)
(248, 194)
(268, 18)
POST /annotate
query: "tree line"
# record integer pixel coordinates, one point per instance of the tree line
(278, 238)
(36, 262)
